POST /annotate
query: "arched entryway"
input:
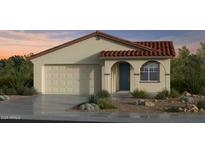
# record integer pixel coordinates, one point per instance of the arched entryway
(121, 76)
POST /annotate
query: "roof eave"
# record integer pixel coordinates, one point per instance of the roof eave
(138, 57)
(97, 33)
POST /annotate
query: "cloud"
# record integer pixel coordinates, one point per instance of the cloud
(24, 42)
(190, 39)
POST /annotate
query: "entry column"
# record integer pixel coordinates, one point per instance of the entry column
(107, 76)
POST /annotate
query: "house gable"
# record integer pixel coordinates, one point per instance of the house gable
(84, 52)
(96, 34)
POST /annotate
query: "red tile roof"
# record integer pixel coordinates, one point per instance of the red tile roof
(149, 48)
(164, 46)
(159, 48)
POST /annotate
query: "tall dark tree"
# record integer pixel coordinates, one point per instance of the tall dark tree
(187, 71)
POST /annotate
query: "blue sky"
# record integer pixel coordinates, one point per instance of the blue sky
(26, 41)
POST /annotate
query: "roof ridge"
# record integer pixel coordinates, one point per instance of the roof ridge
(137, 44)
(131, 42)
(96, 33)
(153, 41)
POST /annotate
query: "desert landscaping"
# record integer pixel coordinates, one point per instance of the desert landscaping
(187, 103)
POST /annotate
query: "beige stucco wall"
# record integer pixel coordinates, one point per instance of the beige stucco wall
(135, 82)
(84, 52)
(87, 52)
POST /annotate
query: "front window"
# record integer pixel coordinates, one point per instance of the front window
(150, 72)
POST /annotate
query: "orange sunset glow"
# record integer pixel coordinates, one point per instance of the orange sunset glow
(25, 42)
(16, 42)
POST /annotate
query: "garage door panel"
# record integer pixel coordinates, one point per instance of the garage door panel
(72, 79)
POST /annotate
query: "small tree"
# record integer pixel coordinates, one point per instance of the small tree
(19, 73)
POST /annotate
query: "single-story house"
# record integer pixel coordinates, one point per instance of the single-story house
(101, 61)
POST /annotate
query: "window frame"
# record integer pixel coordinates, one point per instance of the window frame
(150, 81)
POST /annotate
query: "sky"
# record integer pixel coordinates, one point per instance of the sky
(22, 42)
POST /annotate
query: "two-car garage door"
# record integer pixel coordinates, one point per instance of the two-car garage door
(72, 79)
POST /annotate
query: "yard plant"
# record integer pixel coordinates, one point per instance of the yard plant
(188, 70)
(140, 93)
(105, 103)
(162, 95)
(174, 93)
(16, 76)
(201, 104)
(103, 94)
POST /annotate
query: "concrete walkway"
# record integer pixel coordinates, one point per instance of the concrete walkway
(53, 107)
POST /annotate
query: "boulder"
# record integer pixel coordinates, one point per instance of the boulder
(149, 104)
(92, 108)
(185, 110)
(191, 108)
(180, 109)
(82, 107)
(96, 107)
(185, 93)
(88, 106)
(194, 108)
(140, 102)
(4, 97)
(201, 110)
(187, 99)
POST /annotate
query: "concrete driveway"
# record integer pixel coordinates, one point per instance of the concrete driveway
(40, 105)
(53, 107)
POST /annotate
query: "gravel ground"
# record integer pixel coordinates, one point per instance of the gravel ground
(128, 105)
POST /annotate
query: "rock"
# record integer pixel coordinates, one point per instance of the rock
(88, 106)
(149, 104)
(185, 93)
(4, 97)
(82, 107)
(155, 100)
(187, 99)
(96, 107)
(140, 102)
(192, 108)
(92, 108)
(201, 110)
(180, 109)
(185, 110)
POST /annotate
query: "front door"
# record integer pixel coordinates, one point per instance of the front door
(124, 69)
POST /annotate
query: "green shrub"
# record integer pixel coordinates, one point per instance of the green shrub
(140, 94)
(174, 93)
(92, 99)
(105, 103)
(10, 91)
(201, 104)
(202, 91)
(1, 92)
(29, 91)
(162, 95)
(103, 94)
